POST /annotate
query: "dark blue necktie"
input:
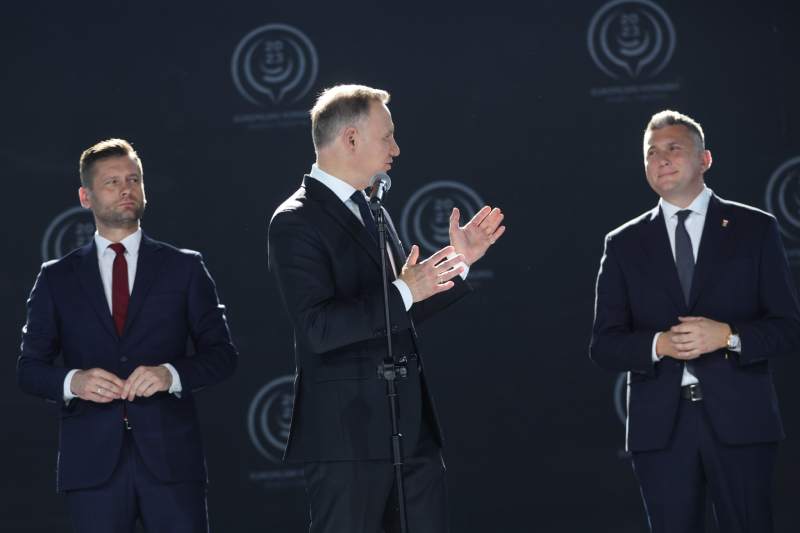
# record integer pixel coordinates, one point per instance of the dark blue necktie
(684, 257)
(366, 214)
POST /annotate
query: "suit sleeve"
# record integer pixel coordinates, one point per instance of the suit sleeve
(324, 320)
(36, 372)
(215, 356)
(777, 331)
(615, 344)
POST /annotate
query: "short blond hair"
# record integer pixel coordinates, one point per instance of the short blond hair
(103, 150)
(668, 117)
(341, 106)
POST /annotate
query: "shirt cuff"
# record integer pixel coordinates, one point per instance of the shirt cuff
(176, 387)
(655, 356)
(67, 386)
(405, 293)
(466, 270)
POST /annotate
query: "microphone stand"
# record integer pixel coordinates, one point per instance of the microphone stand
(391, 369)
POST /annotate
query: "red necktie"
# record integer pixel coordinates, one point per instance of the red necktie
(119, 287)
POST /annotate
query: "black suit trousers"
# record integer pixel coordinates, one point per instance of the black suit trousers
(361, 496)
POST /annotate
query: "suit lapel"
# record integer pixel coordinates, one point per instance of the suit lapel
(713, 245)
(342, 215)
(147, 267)
(88, 271)
(655, 241)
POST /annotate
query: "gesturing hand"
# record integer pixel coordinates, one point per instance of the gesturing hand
(146, 381)
(96, 385)
(432, 275)
(473, 239)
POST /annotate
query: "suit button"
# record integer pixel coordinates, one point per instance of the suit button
(123, 359)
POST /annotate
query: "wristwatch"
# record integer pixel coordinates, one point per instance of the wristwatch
(733, 338)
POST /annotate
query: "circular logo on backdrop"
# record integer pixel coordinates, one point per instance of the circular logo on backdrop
(783, 197)
(426, 216)
(71, 229)
(270, 416)
(273, 64)
(631, 38)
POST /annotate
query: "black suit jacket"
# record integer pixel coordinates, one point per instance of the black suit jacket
(173, 305)
(742, 278)
(328, 271)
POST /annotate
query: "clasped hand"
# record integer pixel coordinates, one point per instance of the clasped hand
(100, 386)
(693, 337)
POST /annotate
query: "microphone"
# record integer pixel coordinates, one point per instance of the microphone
(380, 183)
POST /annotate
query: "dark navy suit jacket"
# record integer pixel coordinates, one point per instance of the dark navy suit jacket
(328, 272)
(173, 311)
(742, 278)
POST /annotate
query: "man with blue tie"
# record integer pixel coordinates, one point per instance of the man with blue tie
(694, 298)
(139, 328)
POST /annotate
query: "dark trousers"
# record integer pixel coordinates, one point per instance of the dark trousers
(361, 497)
(674, 481)
(134, 493)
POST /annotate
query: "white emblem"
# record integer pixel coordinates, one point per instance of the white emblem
(273, 64)
(631, 38)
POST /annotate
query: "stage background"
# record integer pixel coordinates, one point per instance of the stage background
(539, 111)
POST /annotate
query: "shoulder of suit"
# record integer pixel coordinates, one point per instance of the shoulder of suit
(293, 204)
(632, 226)
(740, 209)
(174, 250)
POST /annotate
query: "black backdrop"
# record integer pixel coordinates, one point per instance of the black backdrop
(539, 111)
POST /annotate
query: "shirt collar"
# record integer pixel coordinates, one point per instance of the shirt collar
(340, 188)
(131, 242)
(698, 206)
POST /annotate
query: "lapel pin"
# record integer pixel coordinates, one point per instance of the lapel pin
(725, 222)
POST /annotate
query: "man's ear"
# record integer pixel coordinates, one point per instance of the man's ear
(350, 137)
(707, 160)
(85, 197)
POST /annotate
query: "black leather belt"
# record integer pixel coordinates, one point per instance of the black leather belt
(692, 392)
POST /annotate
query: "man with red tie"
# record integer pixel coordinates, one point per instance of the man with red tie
(139, 328)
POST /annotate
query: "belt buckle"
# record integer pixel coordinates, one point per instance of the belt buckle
(694, 393)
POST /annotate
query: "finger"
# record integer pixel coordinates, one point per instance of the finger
(411, 260)
(110, 386)
(103, 390)
(455, 218)
(445, 277)
(497, 234)
(480, 215)
(135, 383)
(450, 263)
(98, 398)
(440, 255)
(492, 220)
(690, 318)
(148, 391)
(107, 376)
(146, 383)
(444, 287)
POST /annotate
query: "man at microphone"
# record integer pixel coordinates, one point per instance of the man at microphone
(323, 251)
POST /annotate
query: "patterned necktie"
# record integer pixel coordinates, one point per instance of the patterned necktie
(119, 287)
(366, 214)
(684, 256)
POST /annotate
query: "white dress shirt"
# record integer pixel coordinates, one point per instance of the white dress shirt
(344, 191)
(105, 260)
(694, 227)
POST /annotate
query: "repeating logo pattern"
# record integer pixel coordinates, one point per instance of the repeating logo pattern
(273, 64)
(426, 216)
(631, 39)
(783, 197)
(269, 417)
(69, 230)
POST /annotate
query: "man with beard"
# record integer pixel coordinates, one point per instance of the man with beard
(323, 250)
(139, 328)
